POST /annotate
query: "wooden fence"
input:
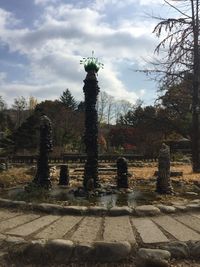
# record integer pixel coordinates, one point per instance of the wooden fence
(75, 158)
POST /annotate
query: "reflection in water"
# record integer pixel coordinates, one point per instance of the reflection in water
(139, 196)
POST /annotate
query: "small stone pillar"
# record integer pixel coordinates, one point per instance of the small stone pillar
(42, 177)
(64, 175)
(122, 173)
(163, 181)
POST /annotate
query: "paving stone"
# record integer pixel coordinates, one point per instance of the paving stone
(191, 221)
(59, 250)
(149, 232)
(33, 226)
(7, 214)
(197, 215)
(88, 229)
(59, 228)
(166, 209)
(147, 210)
(118, 229)
(176, 229)
(110, 251)
(15, 221)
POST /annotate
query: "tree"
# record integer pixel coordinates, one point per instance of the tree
(68, 100)
(182, 56)
(20, 105)
(3, 104)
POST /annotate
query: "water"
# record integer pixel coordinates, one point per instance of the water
(139, 196)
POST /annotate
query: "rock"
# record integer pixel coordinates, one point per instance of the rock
(34, 252)
(152, 257)
(178, 250)
(15, 240)
(180, 208)
(74, 210)
(160, 254)
(96, 210)
(3, 167)
(60, 250)
(49, 208)
(147, 210)
(120, 211)
(2, 237)
(151, 263)
(110, 251)
(83, 252)
(195, 201)
(166, 209)
(193, 207)
(194, 248)
(191, 193)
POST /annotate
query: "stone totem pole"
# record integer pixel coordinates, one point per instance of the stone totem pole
(163, 181)
(42, 177)
(91, 91)
(122, 173)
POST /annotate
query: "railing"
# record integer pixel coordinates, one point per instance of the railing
(76, 158)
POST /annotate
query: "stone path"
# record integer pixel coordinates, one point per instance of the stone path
(87, 229)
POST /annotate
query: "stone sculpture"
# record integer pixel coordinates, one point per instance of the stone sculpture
(122, 173)
(91, 91)
(163, 181)
(42, 177)
(64, 175)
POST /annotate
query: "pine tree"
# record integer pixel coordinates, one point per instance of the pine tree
(68, 100)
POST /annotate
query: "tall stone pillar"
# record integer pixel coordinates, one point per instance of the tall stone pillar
(42, 177)
(91, 91)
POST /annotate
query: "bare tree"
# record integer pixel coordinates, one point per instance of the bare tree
(20, 105)
(3, 104)
(180, 46)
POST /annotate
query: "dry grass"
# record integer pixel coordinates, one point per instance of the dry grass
(14, 176)
(148, 172)
(21, 175)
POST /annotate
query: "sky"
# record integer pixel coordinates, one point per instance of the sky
(43, 41)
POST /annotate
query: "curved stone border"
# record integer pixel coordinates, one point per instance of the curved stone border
(62, 251)
(140, 211)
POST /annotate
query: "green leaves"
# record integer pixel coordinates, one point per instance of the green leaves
(91, 63)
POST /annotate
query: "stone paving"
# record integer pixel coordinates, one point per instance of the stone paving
(87, 229)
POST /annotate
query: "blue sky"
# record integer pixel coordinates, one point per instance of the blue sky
(42, 42)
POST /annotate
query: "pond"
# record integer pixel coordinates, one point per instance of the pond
(107, 197)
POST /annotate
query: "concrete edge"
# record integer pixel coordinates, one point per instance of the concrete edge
(140, 211)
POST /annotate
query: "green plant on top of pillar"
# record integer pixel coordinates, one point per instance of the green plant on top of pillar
(91, 63)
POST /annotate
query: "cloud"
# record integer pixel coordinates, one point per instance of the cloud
(44, 2)
(63, 35)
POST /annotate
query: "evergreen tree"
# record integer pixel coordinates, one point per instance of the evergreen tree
(68, 100)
